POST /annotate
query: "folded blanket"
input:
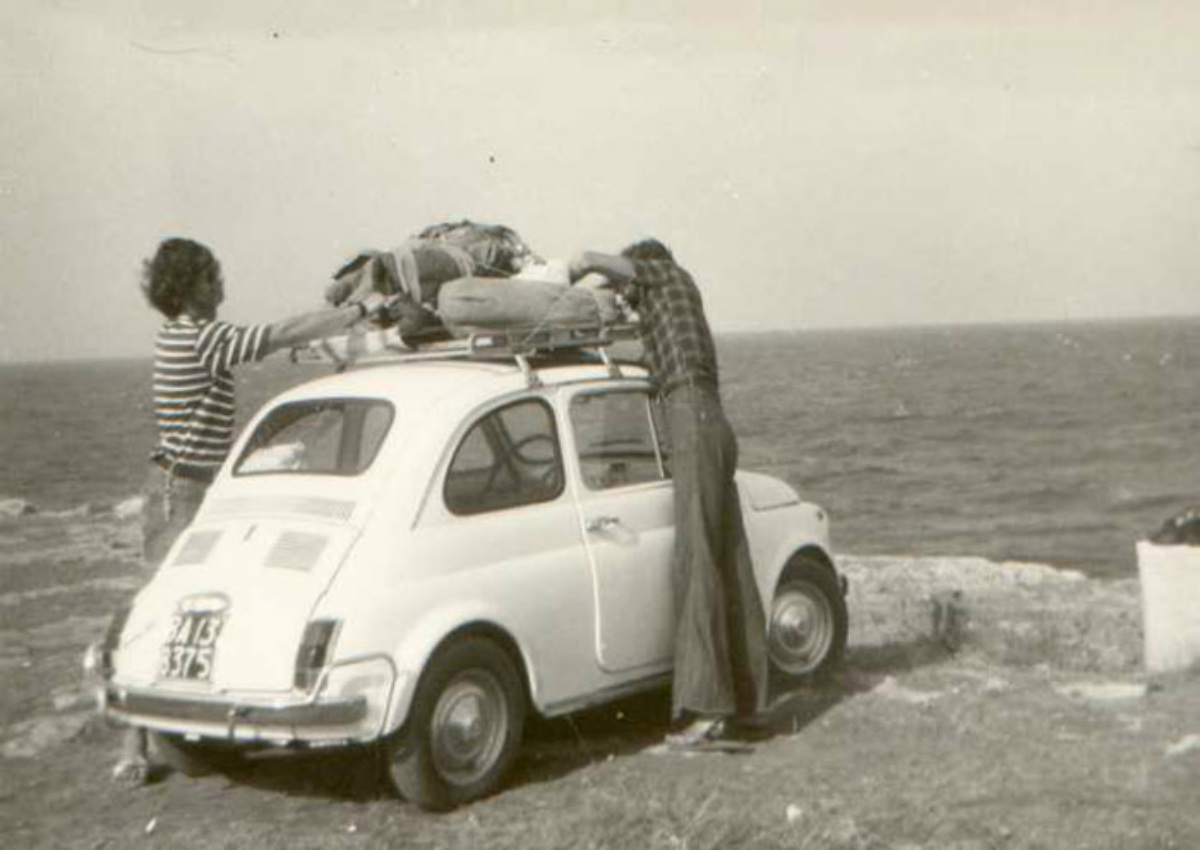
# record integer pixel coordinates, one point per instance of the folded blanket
(416, 271)
(486, 303)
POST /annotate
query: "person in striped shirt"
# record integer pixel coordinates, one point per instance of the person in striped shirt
(194, 357)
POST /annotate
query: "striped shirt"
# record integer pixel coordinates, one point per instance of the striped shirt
(678, 344)
(193, 387)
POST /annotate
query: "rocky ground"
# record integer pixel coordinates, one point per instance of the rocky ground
(981, 705)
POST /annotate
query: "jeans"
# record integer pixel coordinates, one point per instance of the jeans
(170, 504)
(720, 639)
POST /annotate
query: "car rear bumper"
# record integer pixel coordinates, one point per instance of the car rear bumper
(320, 721)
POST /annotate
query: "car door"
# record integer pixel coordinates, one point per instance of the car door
(626, 500)
(500, 543)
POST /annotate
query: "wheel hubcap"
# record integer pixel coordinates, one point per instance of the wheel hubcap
(468, 727)
(801, 631)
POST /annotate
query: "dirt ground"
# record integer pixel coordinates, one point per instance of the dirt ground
(1013, 726)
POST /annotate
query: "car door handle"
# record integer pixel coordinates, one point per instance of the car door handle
(602, 523)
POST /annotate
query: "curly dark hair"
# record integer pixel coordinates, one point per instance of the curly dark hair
(648, 249)
(170, 276)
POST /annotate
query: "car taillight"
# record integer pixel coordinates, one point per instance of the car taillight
(101, 661)
(314, 652)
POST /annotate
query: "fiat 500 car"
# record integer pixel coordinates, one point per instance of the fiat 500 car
(414, 556)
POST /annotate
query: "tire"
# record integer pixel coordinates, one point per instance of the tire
(464, 729)
(807, 624)
(193, 758)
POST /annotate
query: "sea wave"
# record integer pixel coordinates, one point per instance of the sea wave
(14, 508)
(17, 508)
(1125, 501)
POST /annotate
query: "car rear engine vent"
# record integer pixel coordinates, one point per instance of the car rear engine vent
(296, 550)
(196, 548)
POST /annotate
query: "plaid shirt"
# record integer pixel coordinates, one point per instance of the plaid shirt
(678, 344)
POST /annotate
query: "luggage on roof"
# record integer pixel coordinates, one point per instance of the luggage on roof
(455, 278)
(473, 303)
(496, 250)
(417, 269)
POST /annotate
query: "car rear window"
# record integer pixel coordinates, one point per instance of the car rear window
(326, 437)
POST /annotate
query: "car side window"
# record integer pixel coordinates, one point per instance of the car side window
(508, 458)
(615, 435)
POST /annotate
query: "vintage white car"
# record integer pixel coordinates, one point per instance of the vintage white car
(414, 555)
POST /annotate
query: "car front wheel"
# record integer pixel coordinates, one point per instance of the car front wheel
(806, 634)
(464, 729)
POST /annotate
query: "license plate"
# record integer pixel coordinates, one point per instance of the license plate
(191, 646)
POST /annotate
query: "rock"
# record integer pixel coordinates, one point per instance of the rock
(1012, 613)
(129, 509)
(889, 688)
(845, 832)
(989, 682)
(71, 699)
(80, 512)
(1104, 691)
(994, 685)
(949, 619)
(40, 733)
(793, 813)
(1183, 528)
(13, 508)
(1186, 744)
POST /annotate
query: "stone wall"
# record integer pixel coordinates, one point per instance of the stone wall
(1011, 613)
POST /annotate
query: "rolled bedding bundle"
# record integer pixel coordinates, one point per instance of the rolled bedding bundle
(414, 272)
(474, 303)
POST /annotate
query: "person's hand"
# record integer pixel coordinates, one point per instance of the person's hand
(581, 264)
(372, 305)
(338, 291)
(617, 269)
(409, 316)
(356, 285)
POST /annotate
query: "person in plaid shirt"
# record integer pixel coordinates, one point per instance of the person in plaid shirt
(720, 640)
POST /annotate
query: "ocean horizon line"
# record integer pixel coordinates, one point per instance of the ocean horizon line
(746, 329)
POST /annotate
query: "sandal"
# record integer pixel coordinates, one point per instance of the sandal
(704, 736)
(702, 731)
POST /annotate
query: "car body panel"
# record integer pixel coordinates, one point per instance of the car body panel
(576, 585)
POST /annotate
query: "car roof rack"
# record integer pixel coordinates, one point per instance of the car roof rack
(372, 345)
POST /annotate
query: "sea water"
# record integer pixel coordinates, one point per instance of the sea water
(1055, 443)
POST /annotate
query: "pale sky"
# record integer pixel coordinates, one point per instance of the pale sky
(819, 164)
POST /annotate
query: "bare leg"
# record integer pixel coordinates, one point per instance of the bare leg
(168, 510)
(133, 767)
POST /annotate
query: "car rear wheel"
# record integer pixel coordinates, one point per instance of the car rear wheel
(193, 758)
(806, 633)
(464, 729)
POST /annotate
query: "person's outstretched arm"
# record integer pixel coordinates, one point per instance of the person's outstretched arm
(297, 330)
(616, 268)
